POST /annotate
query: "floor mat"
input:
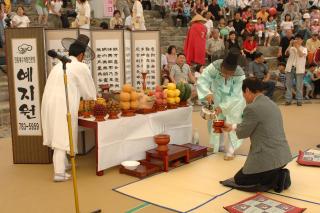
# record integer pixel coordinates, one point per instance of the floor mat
(186, 187)
(235, 196)
(305, 182)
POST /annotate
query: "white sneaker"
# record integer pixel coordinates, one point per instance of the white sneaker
(61, 177)
(307, 98)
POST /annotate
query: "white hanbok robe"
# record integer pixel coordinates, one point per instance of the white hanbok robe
(54, 109)
(137, 16)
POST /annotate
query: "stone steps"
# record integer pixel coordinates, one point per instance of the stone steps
(269, 51)
(4, 93)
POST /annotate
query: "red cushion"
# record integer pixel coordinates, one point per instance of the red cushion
(308, 158)
(261, 203)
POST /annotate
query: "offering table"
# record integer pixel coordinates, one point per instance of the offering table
(128, 138)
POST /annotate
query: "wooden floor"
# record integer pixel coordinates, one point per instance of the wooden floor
(29, 188)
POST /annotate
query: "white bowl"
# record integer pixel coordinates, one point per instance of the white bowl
(131, 164)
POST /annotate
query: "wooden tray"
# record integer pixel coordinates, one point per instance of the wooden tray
(143, 170)
(196, 150)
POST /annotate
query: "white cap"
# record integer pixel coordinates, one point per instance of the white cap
(306, 15)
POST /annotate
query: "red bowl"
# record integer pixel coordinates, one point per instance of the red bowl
(217, 126)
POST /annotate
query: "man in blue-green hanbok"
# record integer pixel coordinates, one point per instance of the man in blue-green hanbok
(221, 84)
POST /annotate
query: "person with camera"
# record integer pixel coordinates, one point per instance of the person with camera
(295, 69)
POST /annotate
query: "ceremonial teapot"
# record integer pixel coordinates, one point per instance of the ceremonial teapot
(208, 113)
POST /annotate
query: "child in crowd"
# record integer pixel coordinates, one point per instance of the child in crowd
(224, 32)
(187, 11)
(230, 26)
(308, 79)
(281, 80)
(259, 28)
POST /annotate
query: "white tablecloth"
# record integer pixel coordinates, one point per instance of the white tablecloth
(128, 138)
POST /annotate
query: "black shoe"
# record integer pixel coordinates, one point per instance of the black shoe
(287, 103)
(281, 182)
(299, 104)
(318, 145)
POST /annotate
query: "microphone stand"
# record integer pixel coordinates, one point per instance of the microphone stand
(72, 155)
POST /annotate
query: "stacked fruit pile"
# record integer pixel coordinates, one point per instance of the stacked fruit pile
(172, 95)
(100, 109)
(161, 99)
(113, 109)
(128, 100)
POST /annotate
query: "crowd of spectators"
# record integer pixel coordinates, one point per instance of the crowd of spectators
(292, 26)
(245, 25)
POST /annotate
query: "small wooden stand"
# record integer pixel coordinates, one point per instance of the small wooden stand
(143, 170)
(128, 113)
(113, 115)
(174, 153)
(196, 150)
(146, 111)
(172, 106)
(99, 118)
(183, 104)
(161, 107)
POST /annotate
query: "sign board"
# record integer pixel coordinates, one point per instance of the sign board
(26, 77)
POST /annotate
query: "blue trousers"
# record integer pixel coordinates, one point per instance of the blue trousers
(290, 76)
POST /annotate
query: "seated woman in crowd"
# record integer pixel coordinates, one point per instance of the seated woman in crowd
(232, 42)
(250, 28)
(116, 21)
(271, 31)
(250, 47)
(171, 56)
(20, 20)
(286, 24)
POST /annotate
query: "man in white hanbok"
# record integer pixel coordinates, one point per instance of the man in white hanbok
(54, 109)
